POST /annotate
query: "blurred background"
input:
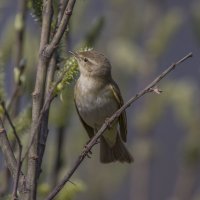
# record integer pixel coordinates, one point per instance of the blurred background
(141, 38)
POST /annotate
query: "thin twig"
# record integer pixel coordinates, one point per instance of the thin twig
(11, 161)
(19, 162)
(61, 28)
(108, 122)
(7, 150)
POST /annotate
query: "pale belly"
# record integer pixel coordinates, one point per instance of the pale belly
(94, 109)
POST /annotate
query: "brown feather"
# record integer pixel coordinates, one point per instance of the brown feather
(117, 153)
(122, 118)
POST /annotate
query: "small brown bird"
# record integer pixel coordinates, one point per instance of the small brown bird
(97, 97)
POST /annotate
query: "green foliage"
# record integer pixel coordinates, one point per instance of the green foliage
(183, 99)
(36, 8)
(185, 104)
(150, 113)
(70, 71)
(7, 197)
(6, 41)
(162, 34)
(61, 111)
(44, 189)
(19, 22)
(94, 32)
(191, 151)
(68, 192)
(71, 189)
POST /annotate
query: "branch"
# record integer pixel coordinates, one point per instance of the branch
(61, 28)
(11, 161)
(20, 20)
(38, 100)
(7, 151)
(49, 80)
(19, 63)
(48, 51)
(108, 122)
(19, 163)
(45, 115)
(16, 93)
(49, 97)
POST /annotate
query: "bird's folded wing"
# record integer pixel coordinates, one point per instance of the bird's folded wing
(122, 118)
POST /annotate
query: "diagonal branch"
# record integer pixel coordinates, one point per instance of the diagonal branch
(7, 151)
(11, 161)
(108, 122)
(19, 162)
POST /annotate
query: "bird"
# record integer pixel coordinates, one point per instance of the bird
(97, 97)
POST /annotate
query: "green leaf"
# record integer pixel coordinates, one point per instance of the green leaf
(36, 7)
(70, 71)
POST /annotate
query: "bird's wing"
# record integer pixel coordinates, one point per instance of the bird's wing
(122, 118)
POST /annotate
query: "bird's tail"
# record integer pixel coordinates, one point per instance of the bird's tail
(116, 153)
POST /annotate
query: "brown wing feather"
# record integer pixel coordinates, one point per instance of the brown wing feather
(122, 118)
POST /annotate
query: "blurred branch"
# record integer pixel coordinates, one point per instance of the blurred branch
(95, 32)
(15, 95)
(7, 151)
(19, 63)
(20, 29)
(19, 163)
(11, 161)
(108, 123)
(19, 67)
(58, 161)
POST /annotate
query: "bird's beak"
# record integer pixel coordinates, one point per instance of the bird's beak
(74, 54)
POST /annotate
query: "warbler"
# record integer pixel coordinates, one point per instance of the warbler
(97, 97)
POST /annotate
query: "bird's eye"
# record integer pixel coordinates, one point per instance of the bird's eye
(85, 59)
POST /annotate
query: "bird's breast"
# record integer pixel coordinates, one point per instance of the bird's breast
(94, 103)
